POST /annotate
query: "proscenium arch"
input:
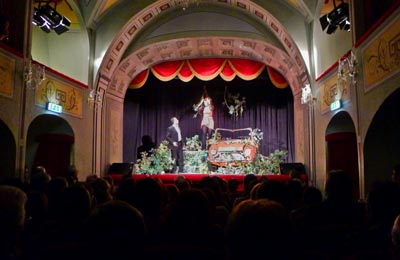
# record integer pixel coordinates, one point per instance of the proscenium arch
(109, 129)
(114, 75)
(138, 22)
(201, 47)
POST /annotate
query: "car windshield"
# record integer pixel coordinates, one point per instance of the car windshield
(233, 133)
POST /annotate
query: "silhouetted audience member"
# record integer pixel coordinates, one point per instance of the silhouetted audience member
(72, 175)
(114, 230)
(147, 146)
(343, 217)
(383, 208)
(274, 190)
(312, 196)
(101, 190)
(126, 190)
(39, 179)
(248, 182)
(182, 183)
(55, 192)
(12, 219)
(395, 236)
(149, 195)
(259, 229)
(191, 229)
(396, 174)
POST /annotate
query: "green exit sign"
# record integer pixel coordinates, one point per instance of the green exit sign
(335, 105)
(54, 107)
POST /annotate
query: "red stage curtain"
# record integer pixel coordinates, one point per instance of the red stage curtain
(139, 80)
(246, 69)
(227, 73)
(185, 74)
(206, 69)
(276, 78)
(166, 71)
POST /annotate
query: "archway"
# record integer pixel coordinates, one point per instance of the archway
(49, 143)
(118, 69)
(7, 152)
(381, 146)
(341, 146)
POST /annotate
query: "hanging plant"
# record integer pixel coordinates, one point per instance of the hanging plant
(234, 103)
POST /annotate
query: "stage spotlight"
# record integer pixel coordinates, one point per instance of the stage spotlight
(339, 16)
(40, 22)
(47, 18)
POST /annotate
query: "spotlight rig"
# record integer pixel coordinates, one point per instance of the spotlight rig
(339, 16)
(47, 18)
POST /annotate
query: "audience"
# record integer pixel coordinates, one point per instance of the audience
(259, 228)
(12, 220)
(210, 219)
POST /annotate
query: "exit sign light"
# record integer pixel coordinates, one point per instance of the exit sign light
(335, 105)
(54, 107)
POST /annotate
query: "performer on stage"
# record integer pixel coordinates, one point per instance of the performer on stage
(174, 138)
(207, 123)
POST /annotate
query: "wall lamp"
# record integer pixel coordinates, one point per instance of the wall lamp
(47, 18)
(339, 16)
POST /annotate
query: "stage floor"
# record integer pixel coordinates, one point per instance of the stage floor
(196, 177)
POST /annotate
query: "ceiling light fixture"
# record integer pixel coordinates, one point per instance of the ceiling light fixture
(339, 16)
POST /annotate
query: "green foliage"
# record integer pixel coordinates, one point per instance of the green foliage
(261, 164)
(193, 143)
(158, 162)
(270, 164)
(196, 161)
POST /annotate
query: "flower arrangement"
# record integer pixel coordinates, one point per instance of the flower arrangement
(158, 162)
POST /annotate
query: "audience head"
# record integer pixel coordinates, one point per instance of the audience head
(339, 186)
(274, 190)
(12, 218)
(182, 183)
(258, 228)
(76, 203)
(192, 210)
(312, 196)
(39, 179)
(119, 227)
(396, 173)
(247, 182)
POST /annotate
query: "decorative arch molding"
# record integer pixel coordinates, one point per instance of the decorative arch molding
(201, 47)
(131, 29)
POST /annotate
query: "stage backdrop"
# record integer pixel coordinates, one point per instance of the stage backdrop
(147, 111)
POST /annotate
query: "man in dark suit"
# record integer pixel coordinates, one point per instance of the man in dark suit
(174, 138)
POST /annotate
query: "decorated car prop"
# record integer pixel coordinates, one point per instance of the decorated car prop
(233, 151)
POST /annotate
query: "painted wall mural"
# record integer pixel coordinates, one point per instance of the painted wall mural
(7, 69)
(331, 91)
(382, 56)
(57, 92)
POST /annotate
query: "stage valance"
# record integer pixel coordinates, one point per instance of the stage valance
(208, 69)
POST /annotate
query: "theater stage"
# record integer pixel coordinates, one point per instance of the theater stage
(196, 177)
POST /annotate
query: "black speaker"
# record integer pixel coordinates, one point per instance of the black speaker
(121, 168)
(287, 167)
